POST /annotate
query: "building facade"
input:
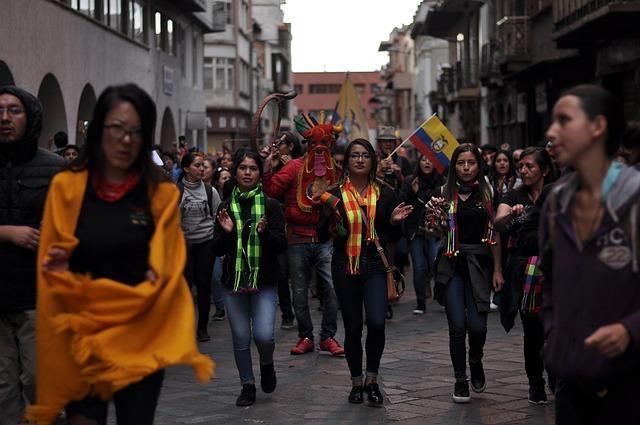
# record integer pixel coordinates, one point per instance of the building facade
(318, 91)
(68, 51)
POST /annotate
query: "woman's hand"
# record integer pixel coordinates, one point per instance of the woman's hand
(57, 260)
(262, 224)
(415, 185)
(150, 275)
(498, 281)
(516, 210)
(400, 213)
(225, 221)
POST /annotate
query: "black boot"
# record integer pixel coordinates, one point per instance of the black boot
(355, 396)
(374, 396)
(478, 381)
(268, 379)
(247, 396)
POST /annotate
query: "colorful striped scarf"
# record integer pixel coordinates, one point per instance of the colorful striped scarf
(352, 206)
(452, 247)
(247, 265)
(532, 286)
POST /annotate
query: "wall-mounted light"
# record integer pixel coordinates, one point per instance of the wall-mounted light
(460, 37)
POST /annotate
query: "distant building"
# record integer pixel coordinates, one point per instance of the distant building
(318, 91)
(68, 51)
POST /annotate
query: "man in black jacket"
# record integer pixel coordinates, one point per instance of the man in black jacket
(25, 173)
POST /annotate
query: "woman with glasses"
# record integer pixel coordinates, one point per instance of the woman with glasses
(113, 307)
(469, 266)
(360, 210)
(521, 278)
(197, 208)
(250, 233)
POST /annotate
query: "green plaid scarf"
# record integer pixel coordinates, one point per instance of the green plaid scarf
(248, 258)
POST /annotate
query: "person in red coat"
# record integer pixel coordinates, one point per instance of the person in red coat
(297, 181)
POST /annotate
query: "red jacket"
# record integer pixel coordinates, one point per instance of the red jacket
(284, 182)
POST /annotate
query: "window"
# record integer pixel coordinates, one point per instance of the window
(245, 78)
(195, 54)
(158, 29)
(88, 7)
(112, 14)
(298, 88)
(221, 74)
(222, 122)
(244, 14)
(136, 27)
(207, 76)
(324, 88)
(360, 88)
(171, 42)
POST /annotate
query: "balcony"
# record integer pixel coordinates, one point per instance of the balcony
(192, 5)
(490, 59)
(588, 21)
(515, 39)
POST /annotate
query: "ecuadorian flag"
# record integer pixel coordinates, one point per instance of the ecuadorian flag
(434, 140)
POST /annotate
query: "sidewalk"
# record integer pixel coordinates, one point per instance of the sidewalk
(416, 377)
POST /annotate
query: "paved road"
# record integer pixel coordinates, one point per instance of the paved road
(416, 377)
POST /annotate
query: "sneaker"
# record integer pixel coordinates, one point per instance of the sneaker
(247, 396)
(537, 395)
(356, 394)
(219, 315)
(203, 335)
(268, 379)
(287, 323)
(461, 392)
(478, 382)
(374, 396)
(304, 345)
(332, 346)
(420, 309)
(493, 306)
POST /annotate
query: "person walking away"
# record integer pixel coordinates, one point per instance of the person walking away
(25, 173)
(113, 307)
(197, 208)
(521, 292)
(589, 243)
(250, 234)
(361, 211)
(469, 267)
(417, 189)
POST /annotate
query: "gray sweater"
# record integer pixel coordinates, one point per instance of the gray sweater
(196, 214)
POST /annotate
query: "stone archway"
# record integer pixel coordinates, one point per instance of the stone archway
(6, 78)
(168, 131)
(85, 112)
(54, 117)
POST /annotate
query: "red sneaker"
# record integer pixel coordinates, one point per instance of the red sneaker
(332, 346)
(305, 345)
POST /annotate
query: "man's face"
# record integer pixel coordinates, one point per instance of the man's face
(387, 146)
(13, 119)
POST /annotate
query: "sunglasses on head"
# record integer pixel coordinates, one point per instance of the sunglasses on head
(221, 169)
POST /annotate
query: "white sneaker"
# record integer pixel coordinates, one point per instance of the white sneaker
(492, 306)
(418, 311)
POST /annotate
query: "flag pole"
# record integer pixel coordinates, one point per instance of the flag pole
(407, 139)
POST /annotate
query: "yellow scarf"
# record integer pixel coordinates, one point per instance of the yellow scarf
(97, 336)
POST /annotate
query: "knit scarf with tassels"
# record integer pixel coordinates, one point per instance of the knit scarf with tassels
(452, 248)
(353, 203)
(247, 264)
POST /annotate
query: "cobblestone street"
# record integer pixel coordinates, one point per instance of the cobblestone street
(416, 377)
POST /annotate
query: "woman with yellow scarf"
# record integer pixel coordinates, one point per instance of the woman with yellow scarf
(361, 210)
(113, 308)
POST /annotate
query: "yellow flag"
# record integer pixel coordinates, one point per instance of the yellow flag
(350, 112)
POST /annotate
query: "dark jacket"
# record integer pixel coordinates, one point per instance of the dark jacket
(427, 188)
(598, 286)
(273, 242)
(25, 173)
(386, 231)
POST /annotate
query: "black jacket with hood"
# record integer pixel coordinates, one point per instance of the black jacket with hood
(25, 173)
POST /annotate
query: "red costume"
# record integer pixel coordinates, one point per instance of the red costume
(303, 178)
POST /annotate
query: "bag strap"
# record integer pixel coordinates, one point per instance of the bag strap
(379, 248)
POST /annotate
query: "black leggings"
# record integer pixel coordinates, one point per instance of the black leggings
(533, 343)
(369, 288)
(135, 404)
(200, 260)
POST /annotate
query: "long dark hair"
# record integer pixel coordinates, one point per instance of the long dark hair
(372, 154)
(451, 187)
(544, 162)
(433, 179)
(494, 176)
(596, 100)
(92, 157)
(246, 153)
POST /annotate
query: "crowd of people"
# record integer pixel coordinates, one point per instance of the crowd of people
(117, 245)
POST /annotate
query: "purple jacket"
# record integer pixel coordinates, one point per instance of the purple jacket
(598, 286)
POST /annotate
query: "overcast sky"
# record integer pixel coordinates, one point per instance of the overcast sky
(343, 35)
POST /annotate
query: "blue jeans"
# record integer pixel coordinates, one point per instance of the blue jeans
(217, 291)
(302, 259)
(463, 317)
(369, 288)
(252, 314)
(423, 256)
